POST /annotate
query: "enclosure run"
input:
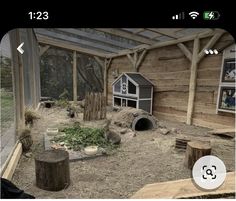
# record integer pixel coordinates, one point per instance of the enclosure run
(188, 86)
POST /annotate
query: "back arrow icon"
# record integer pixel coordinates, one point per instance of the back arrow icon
(20, 48)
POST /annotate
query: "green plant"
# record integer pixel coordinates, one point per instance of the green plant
(63, 99)
(26, 139)
(77, 138)
(30, 116)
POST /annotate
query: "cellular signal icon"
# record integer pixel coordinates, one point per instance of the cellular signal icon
(179, 16)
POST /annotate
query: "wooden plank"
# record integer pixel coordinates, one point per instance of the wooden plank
(185, 50)
(217, 119)
(183, 188)
(140, 59)
(43, 49)
(127, 35)
(208, 124)
(107, 64)
(9, 171)
(210, 44)
(74, 77)
(99, 61)
(230, 132)
(192, 82)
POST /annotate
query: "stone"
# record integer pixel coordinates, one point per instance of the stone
(131, 134)
(113, 137)
(123, 131)
(161, 125)
(62, 143)
(164, 131)
(174, 130)
(28, 154)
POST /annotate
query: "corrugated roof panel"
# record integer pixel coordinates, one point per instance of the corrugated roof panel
(149, 34)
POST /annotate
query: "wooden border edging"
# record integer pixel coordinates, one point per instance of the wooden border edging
(184, 188)
(10, 164)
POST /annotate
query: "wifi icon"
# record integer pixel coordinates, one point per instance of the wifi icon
(193, 14)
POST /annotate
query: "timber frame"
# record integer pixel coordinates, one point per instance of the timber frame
(136, 54)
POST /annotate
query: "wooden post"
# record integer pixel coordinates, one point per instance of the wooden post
(136, 59)
(196, 150)
(52, 170)
(105, 82)
(74, 77)
(33, 74)
(196, 58)
(193, 78)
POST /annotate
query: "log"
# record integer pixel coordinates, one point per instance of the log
(196, 150)
(52, 170)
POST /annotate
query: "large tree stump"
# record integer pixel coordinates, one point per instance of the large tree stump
(52, 170)
(196, 150)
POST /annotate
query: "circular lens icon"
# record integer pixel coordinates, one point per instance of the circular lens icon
(209, 172)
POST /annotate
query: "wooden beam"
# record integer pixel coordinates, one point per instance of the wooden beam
(131, 59)
(11, 166)
(107, 64)
(193, 78)
(140, 59)
(62, 44)
(127, 35)
(74, 77)
(139, 30)
(185, 50)
(168, 43)
(210, 44)
(164, 32)
(43, 49)
(99, 61)
(136, 59)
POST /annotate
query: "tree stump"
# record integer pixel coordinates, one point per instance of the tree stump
(196, 150)
(52, 170)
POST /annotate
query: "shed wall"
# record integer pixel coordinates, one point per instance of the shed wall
(169, 71)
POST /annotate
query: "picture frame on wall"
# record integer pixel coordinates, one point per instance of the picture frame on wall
(227, 99)
(229, 71)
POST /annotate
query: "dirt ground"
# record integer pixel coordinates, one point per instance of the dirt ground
(147, 158)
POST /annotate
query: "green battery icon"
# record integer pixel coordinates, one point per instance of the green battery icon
(211, 15)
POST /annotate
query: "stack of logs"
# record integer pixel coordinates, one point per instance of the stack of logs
(94, 107)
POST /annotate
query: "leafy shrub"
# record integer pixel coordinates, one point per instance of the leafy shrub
(30, 116)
